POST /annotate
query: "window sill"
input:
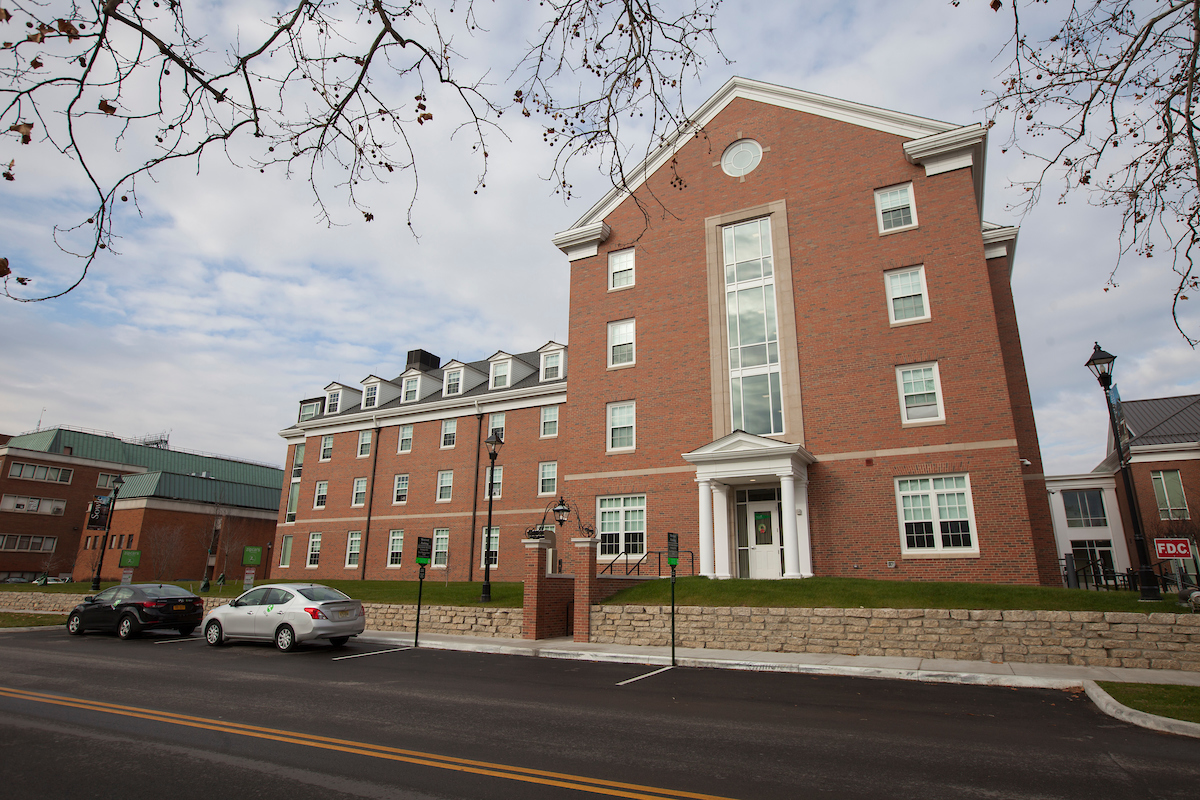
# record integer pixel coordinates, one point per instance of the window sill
(620, 451)
(904, 323)
(403, 452)
(312, 566)
(923, 423)
(890, 231)
(447, 500)
(940, 554)
(394, 566)
(318, 508)
(550, 436)
(612, 289)
(358, 505)
(399, 502)
(612, 367)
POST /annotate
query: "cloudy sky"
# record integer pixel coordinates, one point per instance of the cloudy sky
(228, 303)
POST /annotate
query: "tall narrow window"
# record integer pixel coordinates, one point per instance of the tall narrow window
(551, 366)
(441, 546)
(1168, 491)
(449, 430)
(370, 394)
(754, 375)
(297, 462)
(453, 382)
(894, 209)
(620, 343)
(353, 545)
(493, 482)
(285, 551)
(410, 389)
(364, 444)
(314, 549)
(621, 422)
(907, 301)
(620, 269)
(401, 489)
(500, 374)
(395, 548)
(496, 425)
(335, 400)
(549, 421)
(326, 448)
(548, 477)
(321, 495)
(360, 492)
(920, 394)
(406, 439)
(445, 486)
(490, 542)
(293, 501)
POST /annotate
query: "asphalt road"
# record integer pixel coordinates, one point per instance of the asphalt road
(92, 716)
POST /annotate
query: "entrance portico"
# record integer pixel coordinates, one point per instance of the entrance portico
(753, 494)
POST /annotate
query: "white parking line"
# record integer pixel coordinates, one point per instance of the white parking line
(372, 653)
(176, 641)
(647, 675)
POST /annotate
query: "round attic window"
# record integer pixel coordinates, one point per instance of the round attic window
(741, 157)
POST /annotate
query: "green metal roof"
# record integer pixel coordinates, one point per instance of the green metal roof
(109, 448)
(170, 486)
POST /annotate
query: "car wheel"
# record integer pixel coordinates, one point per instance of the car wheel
(127, 628)
(213, 634)
(186, 630)
(338, 641)
(285, 638)
(75, 624)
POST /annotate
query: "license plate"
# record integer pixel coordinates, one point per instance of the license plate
(180, 608)
(343, 614)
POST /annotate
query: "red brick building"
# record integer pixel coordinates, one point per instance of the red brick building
(168, 507)
(793, 343)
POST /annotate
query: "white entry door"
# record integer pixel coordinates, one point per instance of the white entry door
(765, 557)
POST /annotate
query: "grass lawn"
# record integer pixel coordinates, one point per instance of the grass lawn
(18, 619)
(824, 592)
(1176, 702)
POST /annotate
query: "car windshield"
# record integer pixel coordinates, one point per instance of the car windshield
(322, 594)
(166, 591)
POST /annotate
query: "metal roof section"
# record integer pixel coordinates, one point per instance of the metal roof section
(1164, 420)
(155, 459)
(194, 489)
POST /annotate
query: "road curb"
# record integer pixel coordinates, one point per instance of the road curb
(1105, 702)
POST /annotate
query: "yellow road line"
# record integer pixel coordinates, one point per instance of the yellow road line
(544, 777)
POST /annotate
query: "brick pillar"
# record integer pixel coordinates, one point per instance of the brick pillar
(533, 621)
(585, 586)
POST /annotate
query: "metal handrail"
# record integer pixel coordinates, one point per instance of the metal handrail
(658, 554)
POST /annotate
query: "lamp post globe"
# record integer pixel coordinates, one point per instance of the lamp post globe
(494, 443)
(1101, 365)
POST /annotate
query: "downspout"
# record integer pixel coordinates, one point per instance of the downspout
(475, 493)
(362, 549)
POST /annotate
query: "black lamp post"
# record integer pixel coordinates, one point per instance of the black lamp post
(494, 443)
(1101, 365)
(118, 482)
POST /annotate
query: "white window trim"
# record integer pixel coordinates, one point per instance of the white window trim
(433, 556)
(396, 486)
(315, 406)
(891, 308)
(562, 360)
(483, 545)
(508, 374)
(446, 383)
(632, 269)
(400, 438)
(361, 442)
(333, 402)
(374, 400)
(553, 491)
(317, 496)
(633, 344)
(621, 543)
(354, 491)
(321, 456)
(415, 383)
(502, 427)
(487, 482)
(349, 541)
(313, 538)
(391, 550)
(608, 427)
(940, 419)
(542, 423)
(438, 492)
(285, 551)
(912, 207)
(937, 551)
(453, 432)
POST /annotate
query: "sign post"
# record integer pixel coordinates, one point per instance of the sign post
(130, 560)
(424, 554)
(673, 560)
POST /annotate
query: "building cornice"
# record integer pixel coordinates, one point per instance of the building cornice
(582, 242)
(1001, 242)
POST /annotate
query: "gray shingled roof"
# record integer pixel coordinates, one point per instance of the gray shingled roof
(1166, 420)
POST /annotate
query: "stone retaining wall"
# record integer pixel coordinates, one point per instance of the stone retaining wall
(1093, 638)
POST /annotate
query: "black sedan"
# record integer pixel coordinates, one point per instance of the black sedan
(129, 610)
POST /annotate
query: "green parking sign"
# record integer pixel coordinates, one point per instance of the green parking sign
(251, 556)
(131, 558)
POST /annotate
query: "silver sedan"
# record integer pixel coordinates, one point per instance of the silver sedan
(286, 613)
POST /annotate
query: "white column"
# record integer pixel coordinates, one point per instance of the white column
(803, 531)
(791, 547)
(721, 540)
(706, 528)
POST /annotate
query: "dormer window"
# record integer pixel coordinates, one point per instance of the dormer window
(370, 394)
(309, 410)
(500, 374)
(551, 366)
(410, 389)
(453, 382)
(335, 399)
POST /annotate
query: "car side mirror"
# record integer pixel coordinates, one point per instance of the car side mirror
(89, 599)
(237, 603)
